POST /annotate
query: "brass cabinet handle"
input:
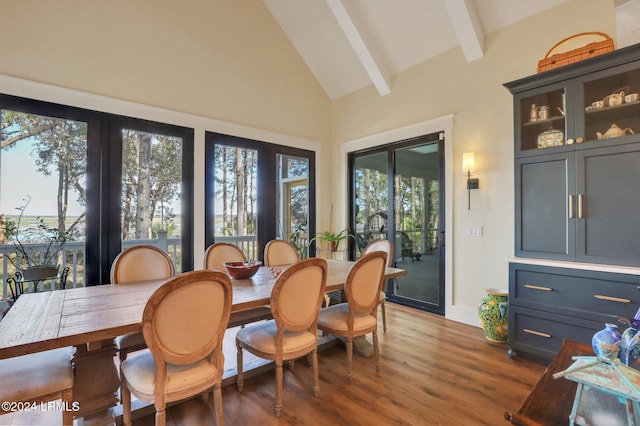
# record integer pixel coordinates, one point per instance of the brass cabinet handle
(580, 206)
(579, 140)
(571, 215)
(537, 333)
(611, 299)
(569, 141)
(536, 287)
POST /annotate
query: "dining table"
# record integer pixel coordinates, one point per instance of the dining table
(90, 318)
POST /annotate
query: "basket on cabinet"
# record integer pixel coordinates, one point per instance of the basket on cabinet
(575, 55)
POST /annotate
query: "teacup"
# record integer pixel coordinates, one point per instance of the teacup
(597, 104)
(632, 97)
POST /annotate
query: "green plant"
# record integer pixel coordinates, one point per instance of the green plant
(332, 239)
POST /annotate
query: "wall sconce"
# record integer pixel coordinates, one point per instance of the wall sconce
(468, 166)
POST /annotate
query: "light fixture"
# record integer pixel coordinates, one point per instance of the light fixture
(468, 166)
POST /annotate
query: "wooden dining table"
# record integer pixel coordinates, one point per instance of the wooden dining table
(89, 318)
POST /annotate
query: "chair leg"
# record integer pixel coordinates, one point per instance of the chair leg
(349, 357)
(217, 404)
(239, 378)
(291, 364)
(384, 317)
(126, 404)
(376, 352)
(316, 374)
(278, 388)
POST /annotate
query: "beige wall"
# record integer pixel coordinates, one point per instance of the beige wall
(224, 59)
(224, 65)
(483, 123)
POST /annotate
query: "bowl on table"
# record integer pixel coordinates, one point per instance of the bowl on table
(242, 270)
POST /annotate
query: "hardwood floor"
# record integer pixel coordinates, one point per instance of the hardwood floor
(433, 372)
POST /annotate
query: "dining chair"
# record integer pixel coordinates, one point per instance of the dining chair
(138, 263)
(279, 253)
(214, 258)
(183, 324)
(217, 254)
(358, 316)
(38, 377)
(387, 247)
(295, 303)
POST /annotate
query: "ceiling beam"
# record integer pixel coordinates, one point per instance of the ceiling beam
(466, 25)
(373, 69)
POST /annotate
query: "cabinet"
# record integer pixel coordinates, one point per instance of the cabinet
(550, 304)
(577, 164)
(577, 201)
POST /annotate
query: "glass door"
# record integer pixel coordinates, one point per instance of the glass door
(397, 195)
(292, 215)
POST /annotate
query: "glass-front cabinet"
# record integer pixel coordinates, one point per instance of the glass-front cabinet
(577, 156)
(602, 109)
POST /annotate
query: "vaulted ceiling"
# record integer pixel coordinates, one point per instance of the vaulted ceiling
(351, 44)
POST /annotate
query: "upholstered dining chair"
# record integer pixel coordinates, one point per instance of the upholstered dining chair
(214, 258)
(279, 253)
(295, 303)
(387, 247)
(217, 254)
(38, 377)
(183, 324)
(138, 263)
(358, 316)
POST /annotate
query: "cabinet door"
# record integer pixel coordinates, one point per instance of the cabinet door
(608, 217)
(544, 228)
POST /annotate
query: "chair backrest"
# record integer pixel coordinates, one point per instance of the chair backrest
(140, 263)
(364, 282)
(381, 245)
(297, 295)
(185, 319)
(280, 252)
(217, 254)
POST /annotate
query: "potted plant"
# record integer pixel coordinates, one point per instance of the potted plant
(333, 240)
(37, 247)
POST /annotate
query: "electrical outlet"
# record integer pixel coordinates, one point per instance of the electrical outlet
(474, 231)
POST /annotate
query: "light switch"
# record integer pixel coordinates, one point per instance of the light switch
(474, 231)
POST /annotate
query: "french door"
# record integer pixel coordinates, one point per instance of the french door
(397, 193)
(257, 192)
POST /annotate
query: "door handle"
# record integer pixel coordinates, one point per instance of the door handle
(571, 215)
(580, 206)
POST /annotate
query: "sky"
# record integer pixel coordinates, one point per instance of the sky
(19, 178)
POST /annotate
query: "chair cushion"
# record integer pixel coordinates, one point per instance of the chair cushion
(140, 372)
(29, 377)
(130, 341)
(335, 317)
(262, 337)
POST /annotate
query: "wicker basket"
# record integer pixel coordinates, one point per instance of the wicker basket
(575, 55)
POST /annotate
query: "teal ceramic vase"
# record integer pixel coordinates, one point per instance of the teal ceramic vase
(606, 342)
(493, 312)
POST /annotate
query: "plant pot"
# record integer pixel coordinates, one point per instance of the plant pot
(39, 273)
(333, 246)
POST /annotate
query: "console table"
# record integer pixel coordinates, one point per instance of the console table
(551, 400)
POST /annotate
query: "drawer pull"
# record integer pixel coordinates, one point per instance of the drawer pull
(537, 333)
(537, 287)
(611, 299)
(571, 214)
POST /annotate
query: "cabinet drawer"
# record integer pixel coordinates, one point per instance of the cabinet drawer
(541, 333)
(597, 296)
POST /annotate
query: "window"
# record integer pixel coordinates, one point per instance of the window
(256, 192)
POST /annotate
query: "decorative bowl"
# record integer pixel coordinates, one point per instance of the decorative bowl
(242, 270)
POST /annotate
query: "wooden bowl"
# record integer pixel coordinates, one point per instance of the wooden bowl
(242, 270)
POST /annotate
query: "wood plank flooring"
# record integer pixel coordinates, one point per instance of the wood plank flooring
(433, 372)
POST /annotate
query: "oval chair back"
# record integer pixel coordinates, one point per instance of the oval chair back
(217, 254)
(280, 252)
(141, 263)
